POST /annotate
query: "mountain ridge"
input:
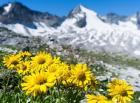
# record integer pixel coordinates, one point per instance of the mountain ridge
(17, 6)
(16, 14)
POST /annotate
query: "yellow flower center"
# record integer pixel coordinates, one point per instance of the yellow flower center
(24, 67)
(14, 62)
(124, 93)
(41, 81)
(41, 61)
(81, 76)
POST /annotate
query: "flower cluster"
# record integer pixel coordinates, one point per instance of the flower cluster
(42, 72)
(119, 90)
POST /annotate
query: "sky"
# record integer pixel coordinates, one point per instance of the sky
(63, 7)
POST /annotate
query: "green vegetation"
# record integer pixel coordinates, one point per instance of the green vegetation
(10, 92)
(113, 59)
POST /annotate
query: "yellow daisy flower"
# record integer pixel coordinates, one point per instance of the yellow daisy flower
(121, 91)
(63, 72)
(59, 71)
(24, 54)
(41, 61)
(97, 99)
(116, 82)
(11, 61)
(81, 75)
(38, 83)
(24, 67)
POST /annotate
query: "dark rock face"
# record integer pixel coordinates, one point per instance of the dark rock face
(75, 11)
(138, 19)
(19, 13)
(1, 10)
(81, 22)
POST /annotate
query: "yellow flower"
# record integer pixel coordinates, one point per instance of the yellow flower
(59, 71)
(97, 99)
(63, 72)
(24, 54)
(24, 67)
(116, 82)
(81, 75)
(38, 83)
(41, 61)
(53, 69)
(11, 61)
(121, 91)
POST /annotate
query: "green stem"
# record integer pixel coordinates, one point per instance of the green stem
(6, 85)
(58, 88)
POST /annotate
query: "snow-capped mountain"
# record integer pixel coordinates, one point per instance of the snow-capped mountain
(82, 27)
(96, 34)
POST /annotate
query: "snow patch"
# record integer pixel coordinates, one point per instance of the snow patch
(131, 75)
(7, 8)
(4, 49)
(137, 52)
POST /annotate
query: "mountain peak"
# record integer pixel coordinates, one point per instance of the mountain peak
(13, 6)
(81, 9)
(7, 7)
(14, 13)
